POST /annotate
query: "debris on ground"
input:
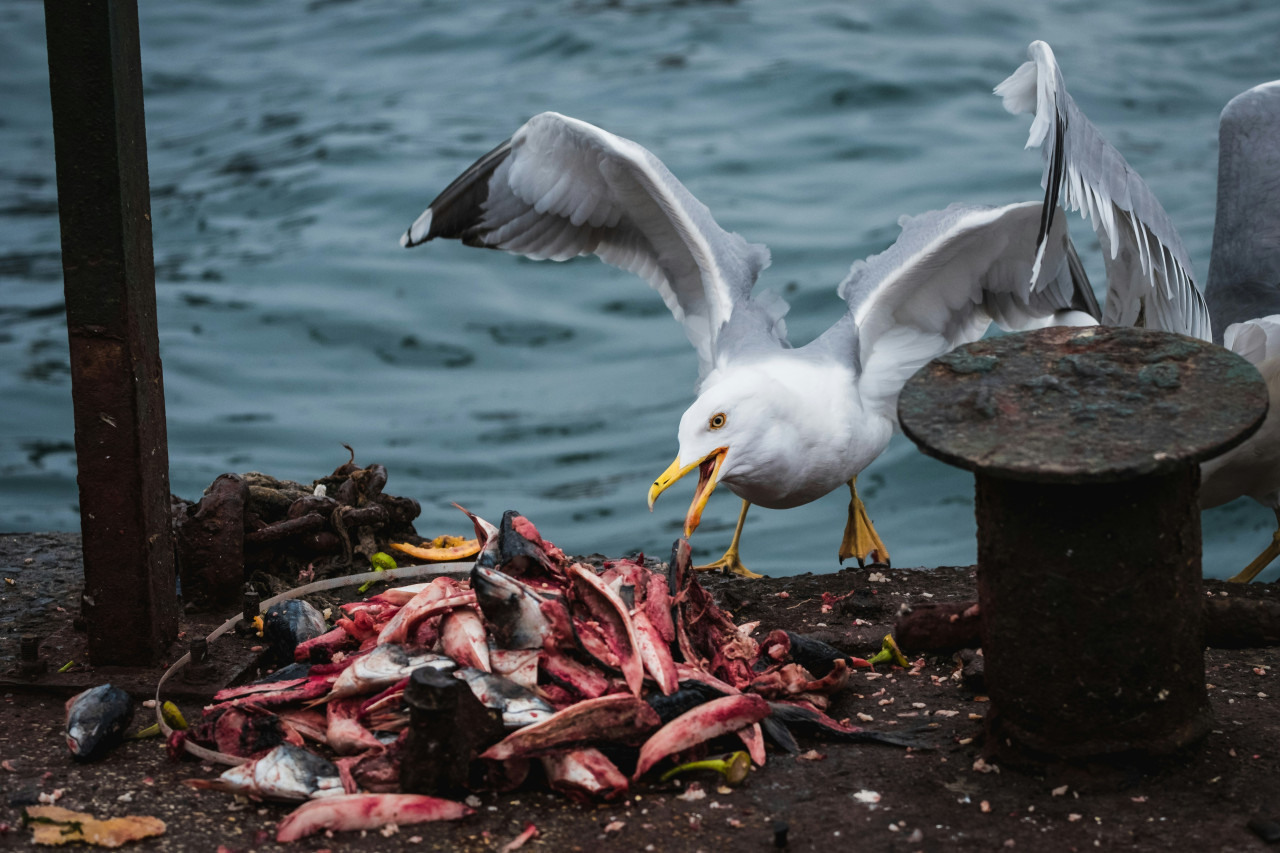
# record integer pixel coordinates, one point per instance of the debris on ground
(55, 826)
(592, 676)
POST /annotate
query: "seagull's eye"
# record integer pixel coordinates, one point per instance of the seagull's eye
(718, 420)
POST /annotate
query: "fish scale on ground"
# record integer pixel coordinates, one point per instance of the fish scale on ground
(641, 663)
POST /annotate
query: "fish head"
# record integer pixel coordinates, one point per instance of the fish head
(96, 720)
(512, 609)
(290, 772)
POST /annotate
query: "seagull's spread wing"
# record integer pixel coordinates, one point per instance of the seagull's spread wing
(946, 278)
(1149, 279)
(560, 188)
(1244, 272)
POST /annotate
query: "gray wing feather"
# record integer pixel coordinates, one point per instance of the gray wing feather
(1149, 279)
(941, 284)
(562, 188)
(1244, 272)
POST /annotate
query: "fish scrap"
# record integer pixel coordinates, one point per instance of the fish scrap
(599, 675)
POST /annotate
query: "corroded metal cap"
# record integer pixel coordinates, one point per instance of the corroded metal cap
(1082, 405)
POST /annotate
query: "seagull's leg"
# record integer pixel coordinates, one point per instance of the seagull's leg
(729, 563)
(1264, 559)
(860, 537)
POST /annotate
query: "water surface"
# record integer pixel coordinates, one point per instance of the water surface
(291, 143)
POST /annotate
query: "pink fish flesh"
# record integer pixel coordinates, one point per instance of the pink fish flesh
(585, 775)
(463, 638)
(587, 681)
(441, 594)
(307, 723)
(753, 739)
(323, 647)
(654, 653)
(608, 611)
(344, 733)
(520, 665)
(618, 717)
(366, 811)
(710, 720)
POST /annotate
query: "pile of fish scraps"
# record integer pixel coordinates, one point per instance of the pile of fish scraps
(597, 679)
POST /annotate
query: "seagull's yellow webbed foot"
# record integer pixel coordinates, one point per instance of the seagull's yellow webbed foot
(730, 564)
(860, 537)
(1263, 560)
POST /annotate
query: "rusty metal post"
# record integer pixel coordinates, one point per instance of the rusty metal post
(95, 77)
(448, 728)
(1085, 446)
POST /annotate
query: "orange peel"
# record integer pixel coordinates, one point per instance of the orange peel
(441, 549)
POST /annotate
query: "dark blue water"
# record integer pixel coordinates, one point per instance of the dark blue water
(291, 143)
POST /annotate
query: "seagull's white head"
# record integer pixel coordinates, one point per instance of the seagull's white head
(738, 430)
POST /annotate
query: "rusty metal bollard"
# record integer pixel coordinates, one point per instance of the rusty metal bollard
(448, 728)
(1085, 446)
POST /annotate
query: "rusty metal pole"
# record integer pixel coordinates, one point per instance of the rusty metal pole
(1085, 446)
(104, 206)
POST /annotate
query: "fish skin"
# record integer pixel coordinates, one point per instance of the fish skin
(285, 673)
(584, 775)
(611, 614)
(382, 667)
(707, 721)
(366, 811)
(287, 624)
(524, 554)
(96, 720)
(520, 616)
(617, 717)
(442, 594)
(288, 773)
(519, 705)
(691, 694)
(779, 733)
(463, 638)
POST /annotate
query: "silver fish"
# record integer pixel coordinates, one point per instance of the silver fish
(96, 720)
(382, 667)
(287, 772)
(519, 706)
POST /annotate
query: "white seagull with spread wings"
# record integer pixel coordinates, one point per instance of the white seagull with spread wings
(780, 426)
(1083, 171)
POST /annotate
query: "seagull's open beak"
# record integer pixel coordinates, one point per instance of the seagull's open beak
(708, 471)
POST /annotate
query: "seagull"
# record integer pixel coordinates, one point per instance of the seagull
(778, 425)
(1142, 250)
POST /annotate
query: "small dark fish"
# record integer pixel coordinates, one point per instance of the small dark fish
(519, 705)
(780, 734)
(690, 695)
(288, 623)
(96, 720)
(816, 656)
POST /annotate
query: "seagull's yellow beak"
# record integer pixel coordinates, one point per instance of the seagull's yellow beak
(708, 470)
